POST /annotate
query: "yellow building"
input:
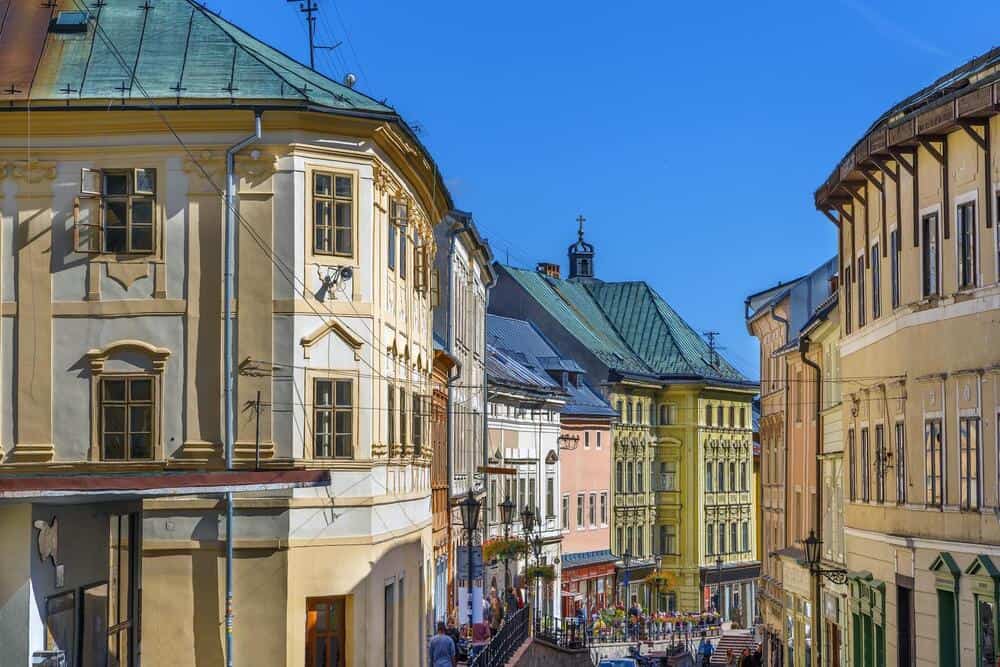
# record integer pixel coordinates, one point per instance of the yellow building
(113, 216)
(915, 201)
(682, 458)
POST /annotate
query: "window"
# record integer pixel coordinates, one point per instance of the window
(628, 412)
(639, 551)
(402, 417)
(744, 481)
(333, 418)
(900, 463)
(604, 508)
(708, 415)
(710, 539)
(550, 497)
(417, 435)
(620, 533)
(668, 471)
(115, 212)
(579, 509)
(127, 418)
(860, 279)
(621, 410)
(733, 544)
(629, 532)
(797, 395)
(718, 416)
(401, 622)
(876, 282)
(592, 513)
(638, 413)
(389, 624)
(390, 242)
(894, 265)
(732, 476)
(848, 295)
(399, 220)
(966, 228)
(390, 414)
(522, 495)
(929, 254)
(618, 475)
(722, 476)
(709, 477)
(586, 439)
(325, 629)
(722, 538)
(933, 462)
(968, 453)
(121, 605)
(668, 539)
(638, 476)
(852, 466)
(333, 214)
(746, 537)
(732, 416)
(743, 417)
(865, 466)
(565, 512)
(532, 499)
(879, 463)
(598, 439)
(631, 478)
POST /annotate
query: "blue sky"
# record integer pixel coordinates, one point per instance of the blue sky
(691, 135)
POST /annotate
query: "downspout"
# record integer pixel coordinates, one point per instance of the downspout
(817, 614)
(486, 392)
(450, 343)
(228, 357)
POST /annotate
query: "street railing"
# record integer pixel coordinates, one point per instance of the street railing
(505, 642)
(572, 633)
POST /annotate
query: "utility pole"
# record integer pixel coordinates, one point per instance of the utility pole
(308, 7)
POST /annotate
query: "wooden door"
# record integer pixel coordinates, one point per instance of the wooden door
(325, 629)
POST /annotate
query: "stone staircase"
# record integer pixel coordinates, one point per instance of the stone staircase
(737, 640)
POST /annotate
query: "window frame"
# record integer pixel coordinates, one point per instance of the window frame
(899, 435)
(865, 465)
(96, 244)
(154, 403)
(861, 287)
(970, 475)
(894, 266)
(933, 483)
(876, 269)
(334, 408)
(333, 200)
(926, 290)
(967, 231)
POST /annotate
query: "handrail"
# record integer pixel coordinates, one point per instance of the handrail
(513, 633)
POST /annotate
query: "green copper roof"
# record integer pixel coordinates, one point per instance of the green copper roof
(628, 326)
(174, 51)
(657, 333)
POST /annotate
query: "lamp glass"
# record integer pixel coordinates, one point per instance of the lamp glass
(507, 511)
(470, 512)
(527, 519)
(812, 544)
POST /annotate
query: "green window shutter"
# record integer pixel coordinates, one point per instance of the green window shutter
(856, 643)
(947, 630)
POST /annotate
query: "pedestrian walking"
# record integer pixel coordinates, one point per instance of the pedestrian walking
(705, 650)
(442, 648)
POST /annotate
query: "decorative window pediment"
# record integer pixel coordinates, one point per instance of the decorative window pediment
(98, 357)
(946, 571)
(322, 332)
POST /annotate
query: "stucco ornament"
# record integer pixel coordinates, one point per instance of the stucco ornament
(48, 540)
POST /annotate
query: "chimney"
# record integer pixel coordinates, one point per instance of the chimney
(548, 269)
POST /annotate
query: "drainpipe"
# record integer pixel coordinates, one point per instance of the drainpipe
(228, 357)
(817, 584)
(486, 394)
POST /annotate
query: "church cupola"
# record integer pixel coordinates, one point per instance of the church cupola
(581, 255)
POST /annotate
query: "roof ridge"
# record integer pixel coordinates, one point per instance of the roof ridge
(266, 62)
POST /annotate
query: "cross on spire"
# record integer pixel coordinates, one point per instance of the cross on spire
(580, 219)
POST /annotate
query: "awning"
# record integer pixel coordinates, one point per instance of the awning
(83, 487)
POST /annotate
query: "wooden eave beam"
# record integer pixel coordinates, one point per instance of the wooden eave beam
(871, 179)
(928, 145)
(883, 166)
(843, 213)
(898, 154)
(983, 141)
(832, 218)
(969, 126)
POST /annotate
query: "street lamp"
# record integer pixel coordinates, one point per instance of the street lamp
(718, 585)
(527, 521)
(812, 545)
(536, 548)
(470, 519)
(659, 564)
(506, 518)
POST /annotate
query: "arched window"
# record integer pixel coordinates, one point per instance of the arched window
(628, 413)
(638, 413)
(619, 477)
(708, 415)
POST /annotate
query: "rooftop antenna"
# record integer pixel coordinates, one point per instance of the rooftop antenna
(309, 7)
(713, 348)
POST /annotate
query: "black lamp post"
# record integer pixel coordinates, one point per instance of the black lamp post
(718, 585)
(506, 518)
(659, 564)
(527, 525)
(470, 519)
(536, 547)
(812, 545)
(627, 563)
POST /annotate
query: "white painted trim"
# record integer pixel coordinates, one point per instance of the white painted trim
(936, 208)
(984, 299)
(965, 198)
(923, 543)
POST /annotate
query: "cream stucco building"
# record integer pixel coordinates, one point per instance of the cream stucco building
(111, 272)
(915, 202)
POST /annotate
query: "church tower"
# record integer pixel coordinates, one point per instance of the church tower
(581, 255)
